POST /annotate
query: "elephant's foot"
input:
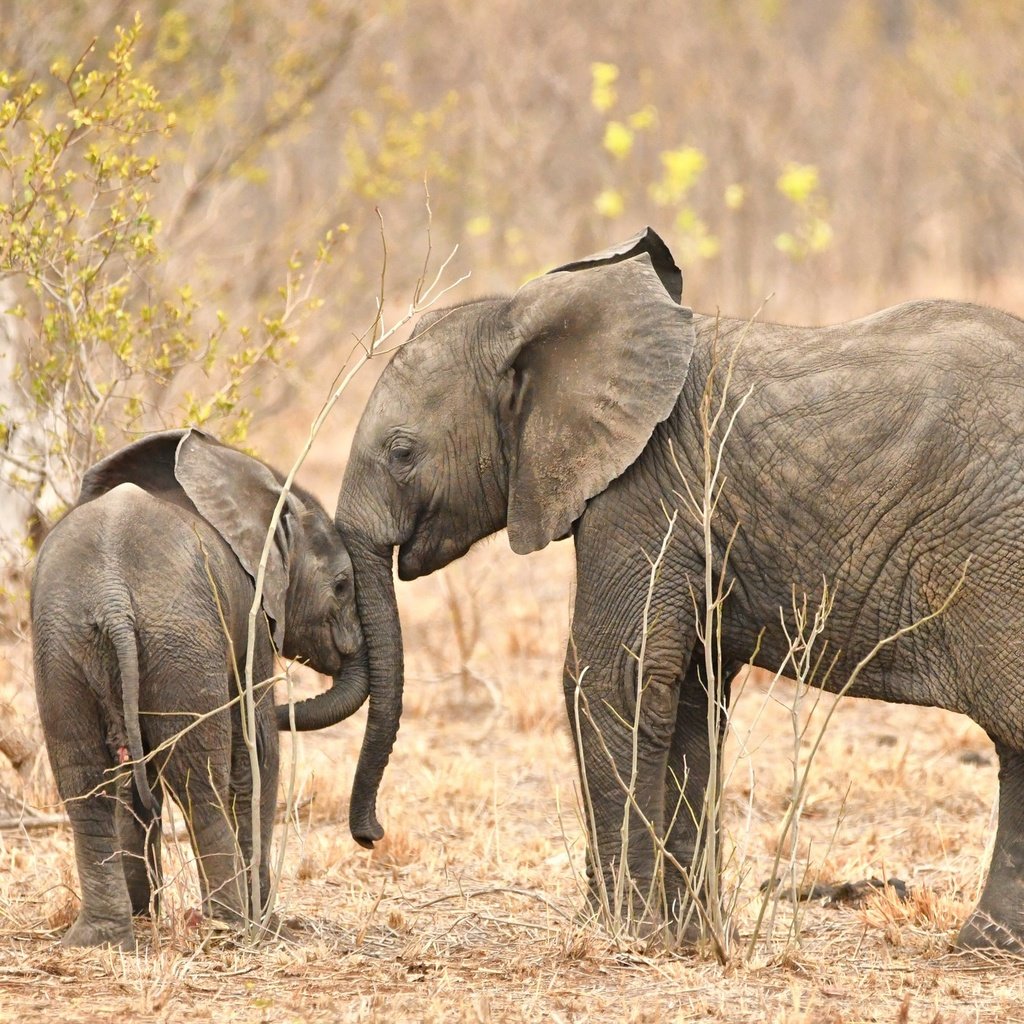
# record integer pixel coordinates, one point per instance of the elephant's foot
(227, 917)
(86, 932)
(273, 928)
(652, 931)
(693, 931)
(668, 934)
(682, 926)
(983, 932)
(236, 930)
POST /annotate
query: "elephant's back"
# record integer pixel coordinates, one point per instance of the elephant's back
(932, 343)
(133, 550)
(884, 455)
(128, 531)
(131, 561)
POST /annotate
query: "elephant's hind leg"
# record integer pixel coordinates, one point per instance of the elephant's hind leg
(138, 831)
(196, 772)
(998, 921)
(81, 761)
(242, 788)
(201, 791)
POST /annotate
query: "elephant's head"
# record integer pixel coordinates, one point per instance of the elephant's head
(502, 412)
(308, 591)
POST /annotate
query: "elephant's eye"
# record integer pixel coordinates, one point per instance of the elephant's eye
(400, 454)
(343, 588)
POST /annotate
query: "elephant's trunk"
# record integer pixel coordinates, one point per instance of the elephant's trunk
(346, 696)
(382, 632)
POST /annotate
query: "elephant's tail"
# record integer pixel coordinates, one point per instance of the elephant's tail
(122, 636)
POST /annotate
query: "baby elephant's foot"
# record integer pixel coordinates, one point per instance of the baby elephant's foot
(272, 928)
(233, 928)
(231, 917)
(983, 933)
(680, 928)
(86, 932)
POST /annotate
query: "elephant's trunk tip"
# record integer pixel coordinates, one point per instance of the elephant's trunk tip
(366, 829)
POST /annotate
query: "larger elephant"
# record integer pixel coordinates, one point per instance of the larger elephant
(884, 455)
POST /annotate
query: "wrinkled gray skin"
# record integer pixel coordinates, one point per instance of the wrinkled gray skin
(880, 454)
(130, 648)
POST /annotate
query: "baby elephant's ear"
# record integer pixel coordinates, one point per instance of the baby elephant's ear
(148, 464)
(236, 494)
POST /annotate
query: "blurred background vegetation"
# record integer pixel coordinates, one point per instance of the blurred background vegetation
(189, 226)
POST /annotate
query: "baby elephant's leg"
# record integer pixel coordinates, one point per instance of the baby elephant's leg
(82, 765)
(267, 756)
(196, 771)
(138, 831)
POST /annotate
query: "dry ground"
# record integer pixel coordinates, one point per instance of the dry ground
(467, 911)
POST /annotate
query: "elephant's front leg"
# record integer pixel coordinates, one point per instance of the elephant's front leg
(622, 732)
(692, 865)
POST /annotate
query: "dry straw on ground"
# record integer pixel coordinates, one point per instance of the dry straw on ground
(468, 911)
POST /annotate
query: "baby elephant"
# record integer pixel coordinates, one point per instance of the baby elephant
(140, 606)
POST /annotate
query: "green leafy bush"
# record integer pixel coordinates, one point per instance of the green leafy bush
(98, 343)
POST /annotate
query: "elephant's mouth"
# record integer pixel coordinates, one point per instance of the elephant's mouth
(423, 554)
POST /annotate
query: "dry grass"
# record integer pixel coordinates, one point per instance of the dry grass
(468, 910)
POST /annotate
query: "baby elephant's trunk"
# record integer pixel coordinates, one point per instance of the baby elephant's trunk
(346, 696)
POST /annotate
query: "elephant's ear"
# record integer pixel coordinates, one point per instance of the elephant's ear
(648, 241)
(236, 494)
(148, 464)
(599, 359)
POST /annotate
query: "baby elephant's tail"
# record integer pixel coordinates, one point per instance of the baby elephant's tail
(122, 636)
